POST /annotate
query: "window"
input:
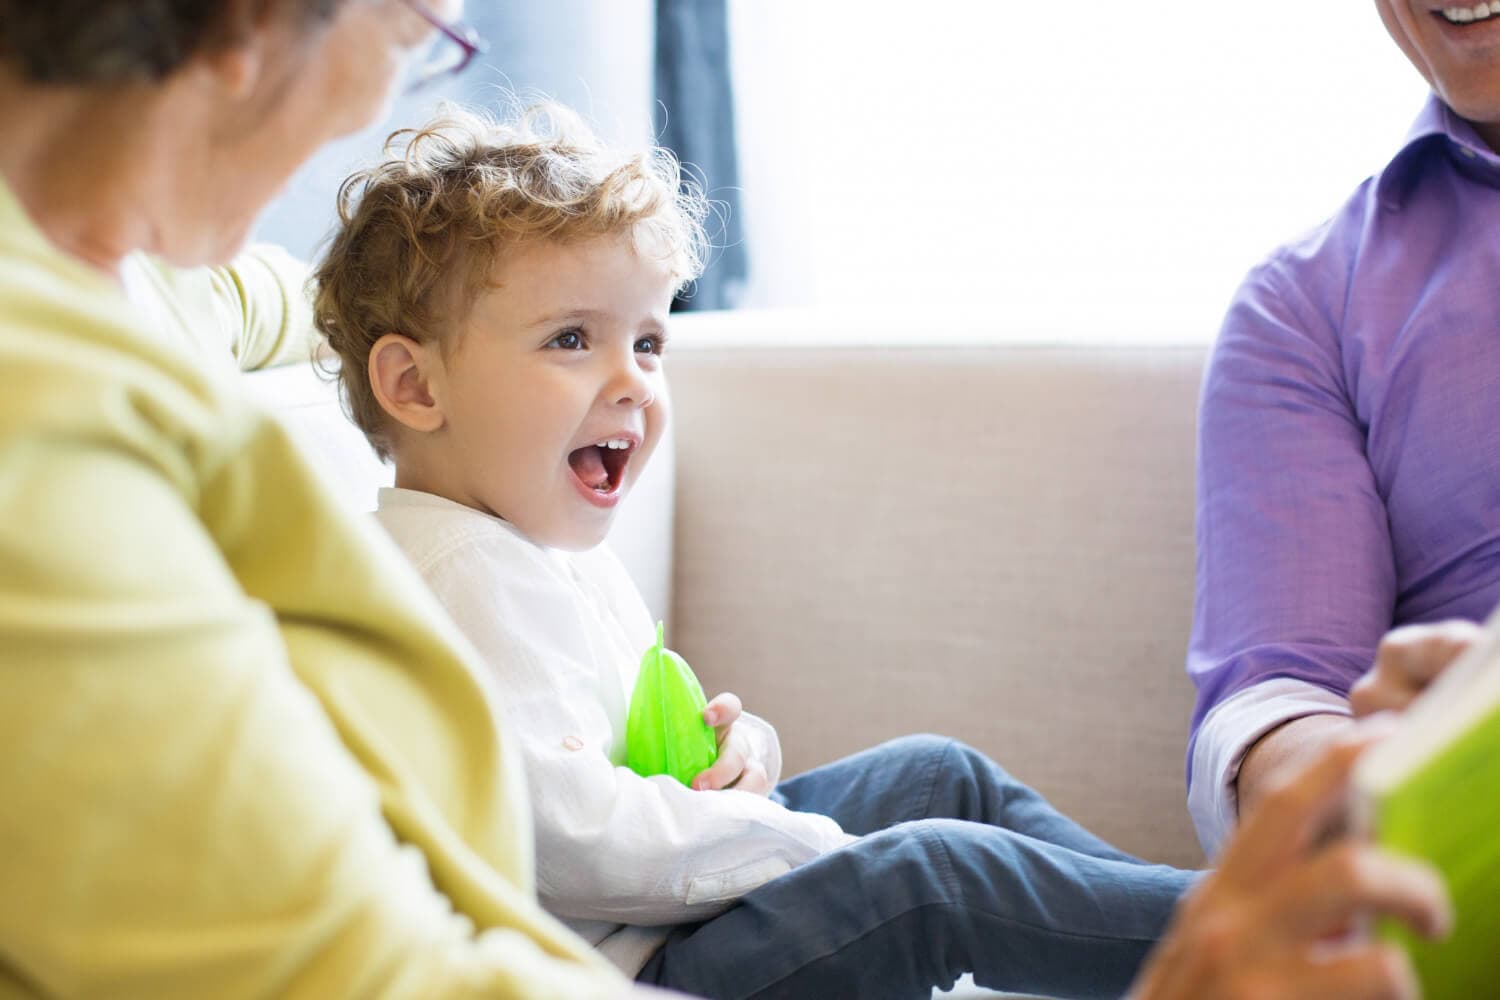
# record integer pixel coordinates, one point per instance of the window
(1083, 169)
(1073, 167)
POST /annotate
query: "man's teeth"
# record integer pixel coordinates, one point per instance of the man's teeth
(1478, 12)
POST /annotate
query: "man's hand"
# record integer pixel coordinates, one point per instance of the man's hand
(737, 766)
(1272, 920)
(1409, 659)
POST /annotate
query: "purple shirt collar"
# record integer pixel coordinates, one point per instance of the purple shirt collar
(1433, 126)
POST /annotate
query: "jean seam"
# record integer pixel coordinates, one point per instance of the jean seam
(949, 873)
(932, 775)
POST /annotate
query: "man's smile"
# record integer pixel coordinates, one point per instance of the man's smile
(1468, 16)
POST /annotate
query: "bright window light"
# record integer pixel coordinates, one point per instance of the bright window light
(1051, 167)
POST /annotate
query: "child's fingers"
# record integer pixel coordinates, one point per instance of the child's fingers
(722, 712)
(753, 779)
(724, 771)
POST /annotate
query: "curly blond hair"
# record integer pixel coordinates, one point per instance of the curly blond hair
(420, 232)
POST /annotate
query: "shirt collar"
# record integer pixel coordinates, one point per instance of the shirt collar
(398, 497)
(1436, 125)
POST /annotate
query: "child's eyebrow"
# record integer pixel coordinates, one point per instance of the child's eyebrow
(568, 314)
(581, 314)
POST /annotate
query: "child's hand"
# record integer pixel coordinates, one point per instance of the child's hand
(737, 766)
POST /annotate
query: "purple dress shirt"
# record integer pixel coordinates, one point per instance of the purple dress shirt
(1349, 437)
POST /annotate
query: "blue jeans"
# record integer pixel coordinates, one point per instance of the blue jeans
(960, 868)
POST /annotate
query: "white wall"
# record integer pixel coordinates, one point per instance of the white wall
(1068, 164)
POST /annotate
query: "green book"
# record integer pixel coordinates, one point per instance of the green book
(1432, 790)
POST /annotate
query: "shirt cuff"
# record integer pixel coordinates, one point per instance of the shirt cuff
(765, 745)
(1227, 734)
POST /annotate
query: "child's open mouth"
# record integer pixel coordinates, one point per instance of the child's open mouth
(600, 469)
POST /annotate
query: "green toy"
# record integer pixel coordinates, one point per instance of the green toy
(664, 730)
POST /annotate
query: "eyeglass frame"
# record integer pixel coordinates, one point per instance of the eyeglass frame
(460, 33)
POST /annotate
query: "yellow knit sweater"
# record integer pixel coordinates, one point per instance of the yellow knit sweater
(242, 751)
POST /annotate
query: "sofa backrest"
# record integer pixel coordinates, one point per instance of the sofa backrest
(989, 542)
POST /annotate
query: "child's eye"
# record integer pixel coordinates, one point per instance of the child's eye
(568, 340)
(651, 345)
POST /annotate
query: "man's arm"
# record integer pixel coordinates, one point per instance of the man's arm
(1283, 750)
(1296, 575)
(1406, 662)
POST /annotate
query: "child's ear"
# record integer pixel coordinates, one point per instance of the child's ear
(400, 376)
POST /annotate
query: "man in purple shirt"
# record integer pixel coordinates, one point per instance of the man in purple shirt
(1349, 453)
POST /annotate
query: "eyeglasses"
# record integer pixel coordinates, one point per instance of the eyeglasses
(450, 53)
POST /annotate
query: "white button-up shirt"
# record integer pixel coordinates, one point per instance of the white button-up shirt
(619, 857)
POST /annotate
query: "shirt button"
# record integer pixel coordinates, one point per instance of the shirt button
(1467, 152)
(572, 743)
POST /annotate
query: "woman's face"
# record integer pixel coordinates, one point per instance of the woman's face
(308, 86)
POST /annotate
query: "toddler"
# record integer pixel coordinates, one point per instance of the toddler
(498, 296)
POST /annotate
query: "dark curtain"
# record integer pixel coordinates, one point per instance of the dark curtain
(695, 119)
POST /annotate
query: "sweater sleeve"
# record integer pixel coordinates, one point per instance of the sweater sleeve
(265, 289)
(611, 845)
(258, 306)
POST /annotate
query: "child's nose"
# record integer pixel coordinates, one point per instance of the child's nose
(631, 386)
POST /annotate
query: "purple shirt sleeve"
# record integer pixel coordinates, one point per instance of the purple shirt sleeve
(1349, 442)
(1295, 574)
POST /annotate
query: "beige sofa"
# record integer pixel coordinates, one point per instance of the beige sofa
(893, 525)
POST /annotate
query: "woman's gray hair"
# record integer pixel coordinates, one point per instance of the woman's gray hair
(124, 41)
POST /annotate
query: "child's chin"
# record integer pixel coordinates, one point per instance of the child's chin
(579, 537)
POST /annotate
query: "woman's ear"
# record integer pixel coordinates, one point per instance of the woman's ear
(401, 372)
(238, 62)
(237, 67)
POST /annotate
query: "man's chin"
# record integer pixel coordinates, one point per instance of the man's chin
(1479, 105)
